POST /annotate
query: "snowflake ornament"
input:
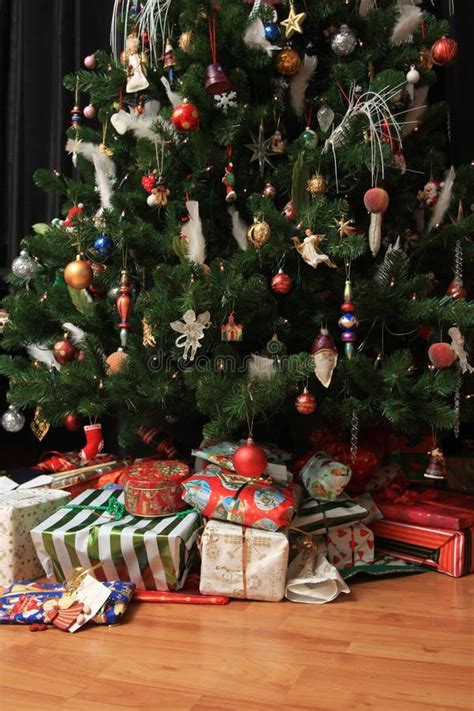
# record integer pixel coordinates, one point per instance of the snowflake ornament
(226, 101)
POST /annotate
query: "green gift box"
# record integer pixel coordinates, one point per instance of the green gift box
(153, 553)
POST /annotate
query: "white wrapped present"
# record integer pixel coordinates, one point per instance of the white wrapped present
(243, 562)
(20, 511)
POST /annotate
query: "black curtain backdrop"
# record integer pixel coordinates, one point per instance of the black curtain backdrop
(41, 41)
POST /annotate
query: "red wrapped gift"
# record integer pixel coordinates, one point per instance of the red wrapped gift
(220, 494)
(448, 551)
(442, 509)
(55, 462)
(153, 488)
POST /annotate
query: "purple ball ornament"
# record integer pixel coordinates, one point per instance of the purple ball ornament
(90, 61)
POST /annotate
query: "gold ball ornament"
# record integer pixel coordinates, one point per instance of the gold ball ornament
(78, 274)
(184, 42)
(317, 185)
(116, 361)
(287, 61)
(258, 234)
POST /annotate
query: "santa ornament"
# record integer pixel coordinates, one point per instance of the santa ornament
(324, 355)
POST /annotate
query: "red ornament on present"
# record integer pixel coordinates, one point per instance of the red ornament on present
(149, 182)
(72, 422)
(441, 355)
(305, 403)
(250, 460)
(282, 283)
(444, 51)
(64, 351)
(185, 117)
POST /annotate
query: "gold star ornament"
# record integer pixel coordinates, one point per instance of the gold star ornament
(293, 22)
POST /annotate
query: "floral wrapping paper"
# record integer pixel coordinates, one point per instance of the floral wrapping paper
(20, 511)
(317, 517)
(243, 562)
(324, 478)
(219, 495)
(22, 602)
(153, 553)
(350, 546)
(223, 452)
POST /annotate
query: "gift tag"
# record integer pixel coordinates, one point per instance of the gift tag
(92, 594)
(279, 473)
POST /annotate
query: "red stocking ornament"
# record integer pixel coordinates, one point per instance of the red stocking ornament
(94, 442)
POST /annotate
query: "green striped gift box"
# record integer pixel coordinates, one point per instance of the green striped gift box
(153, 553)
(316, 516)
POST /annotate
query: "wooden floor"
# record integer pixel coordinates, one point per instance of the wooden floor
(401, 643)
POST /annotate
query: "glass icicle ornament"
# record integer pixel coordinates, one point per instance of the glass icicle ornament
(12, 420)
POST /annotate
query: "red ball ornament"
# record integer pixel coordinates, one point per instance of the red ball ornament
(73, 423)
(444, 51)
(282, 283)
(305, 403)
(376, 200)
(441, 355)
(64, 351)
(185, 117)
(250, 460)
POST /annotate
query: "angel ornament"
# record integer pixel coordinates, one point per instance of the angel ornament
(192, 330)
(136, 78)
(309, 250)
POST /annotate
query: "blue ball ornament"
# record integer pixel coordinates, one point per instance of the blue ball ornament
(272, 32)
(103, 245)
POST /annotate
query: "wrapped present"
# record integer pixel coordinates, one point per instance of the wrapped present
(54, 462)
(23, 602)
(153, 488)
(448, 551)
(411, 454)
(223, 452)
(323, 477)
(315, 516)
(20, 511)
(243, 562)
(312, 579)
(219, 494)
(373, 511)
(382, 566)
(440, 509)
(384, 476)
(350, 546)
(154, 553)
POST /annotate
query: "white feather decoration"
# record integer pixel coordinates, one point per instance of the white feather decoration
(261, 367)
(409, 18)
(254, 37)
(415, 113)
(174, 98)
(141, 125)
(77, 334)
(43, 354)
(444, 200)
(365, 7)
(300, 82)
(239, 228)
(103, 165)
(192, 231)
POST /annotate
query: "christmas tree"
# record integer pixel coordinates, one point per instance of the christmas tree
(256, 166)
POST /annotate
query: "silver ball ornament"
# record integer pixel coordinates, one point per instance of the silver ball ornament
(344, 41)
(12, 420)
(24, 267)
(413, 75)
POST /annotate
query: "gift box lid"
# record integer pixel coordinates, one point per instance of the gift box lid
(155, 474)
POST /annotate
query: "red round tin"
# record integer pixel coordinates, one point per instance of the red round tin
(154, 488)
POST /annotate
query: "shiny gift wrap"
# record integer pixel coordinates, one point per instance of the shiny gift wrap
(243, 562)
(153, 488)
(153, 553)
(222, 495)
(323, 477)
(20, 511)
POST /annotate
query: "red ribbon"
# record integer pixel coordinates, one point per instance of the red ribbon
(397, 493)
